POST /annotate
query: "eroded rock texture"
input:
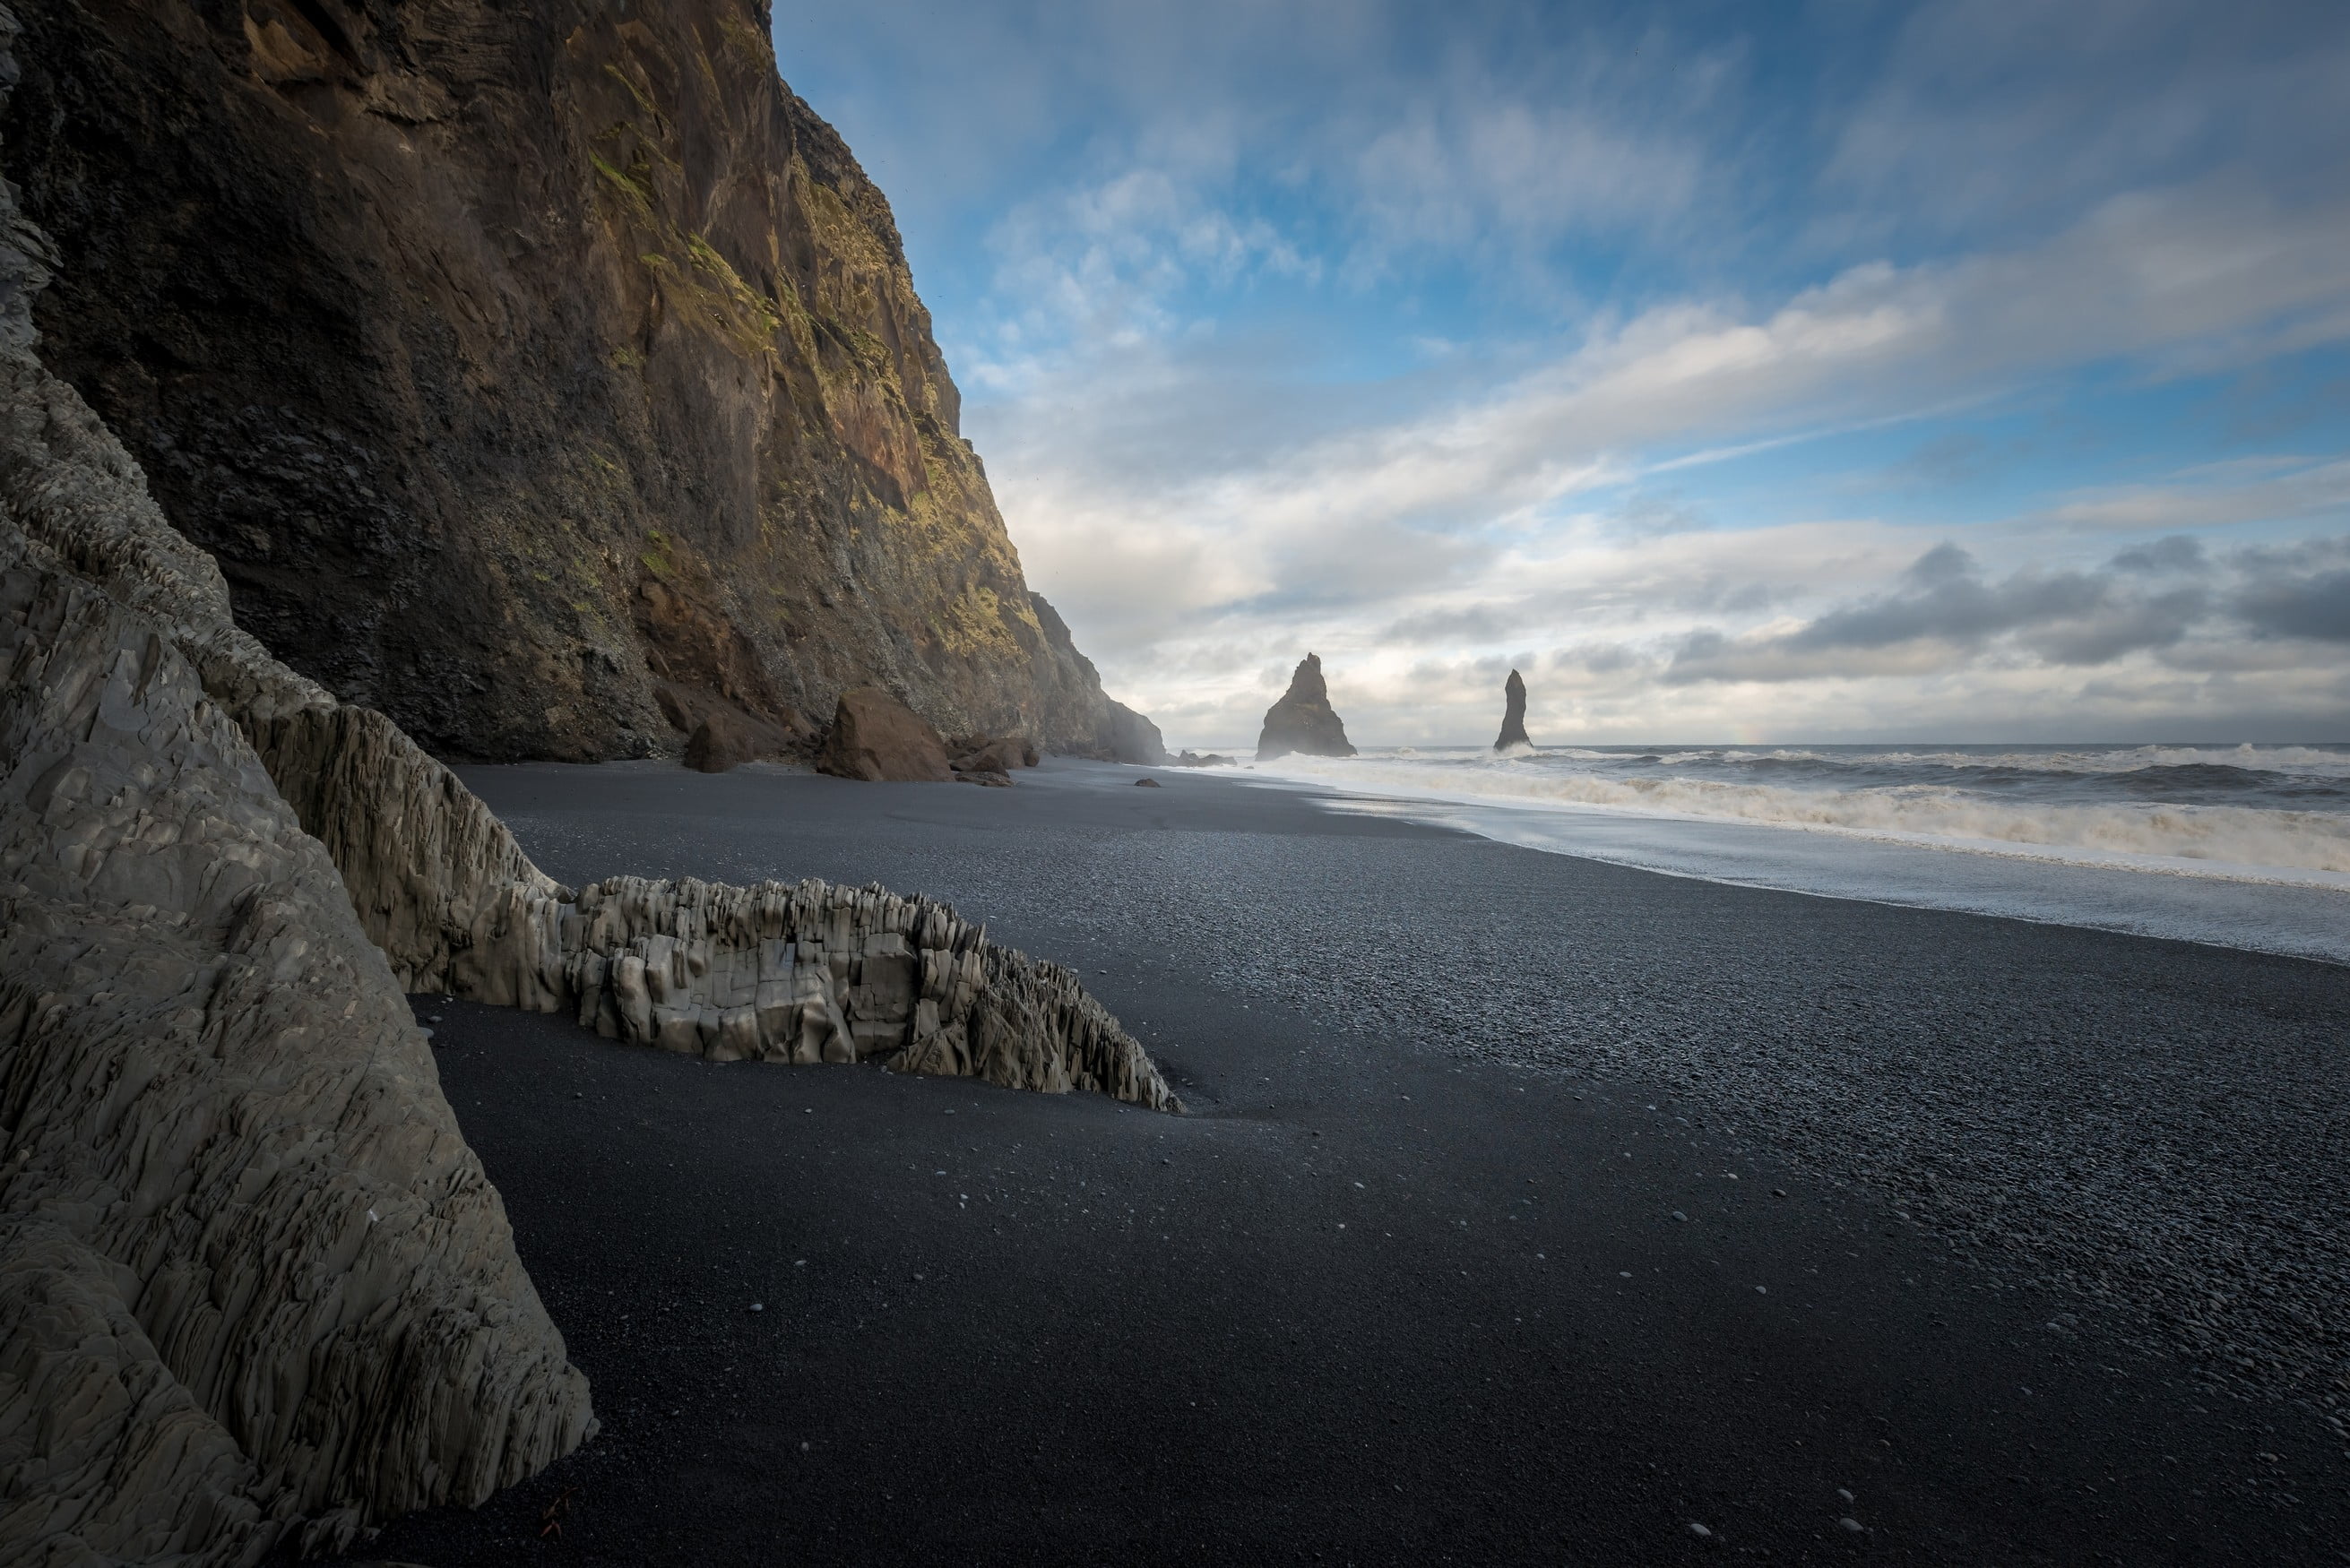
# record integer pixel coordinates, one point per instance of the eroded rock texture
(812, 972)
(1514, 715)
(251, 1278)
(541, 374)
(1303, 721)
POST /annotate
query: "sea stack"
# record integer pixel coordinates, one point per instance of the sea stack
(1513, 716)
(1303, 721)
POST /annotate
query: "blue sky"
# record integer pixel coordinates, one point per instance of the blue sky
(1974, 369)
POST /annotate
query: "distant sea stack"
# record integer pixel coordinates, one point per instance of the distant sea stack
(1513, 716)
(548, 378)
(1303, 721)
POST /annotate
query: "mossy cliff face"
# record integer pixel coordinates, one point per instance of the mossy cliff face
(542, 376)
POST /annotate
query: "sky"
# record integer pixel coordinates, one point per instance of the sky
(1741, 372)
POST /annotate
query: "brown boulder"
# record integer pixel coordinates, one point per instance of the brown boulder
(878, 738)
(721, 741)
(1000, 756)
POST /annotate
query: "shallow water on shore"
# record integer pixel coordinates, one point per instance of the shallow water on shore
(2244, 846)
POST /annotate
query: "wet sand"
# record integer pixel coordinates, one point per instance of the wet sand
(1472, 1247)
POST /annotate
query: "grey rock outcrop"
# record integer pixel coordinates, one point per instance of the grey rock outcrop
(1303, 721)
(252, 1280)
(1514, 714)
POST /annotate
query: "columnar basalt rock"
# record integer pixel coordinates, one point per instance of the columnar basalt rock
(811, 973)
(1514, 715)
(1303, 721)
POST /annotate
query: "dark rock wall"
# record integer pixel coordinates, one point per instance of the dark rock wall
(539, 374)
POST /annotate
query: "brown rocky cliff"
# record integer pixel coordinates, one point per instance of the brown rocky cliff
(521, 364)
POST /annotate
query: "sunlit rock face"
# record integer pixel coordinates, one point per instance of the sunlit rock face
(1303, 721)
(542, 376)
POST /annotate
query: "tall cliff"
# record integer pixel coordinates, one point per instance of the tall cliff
(539, 375)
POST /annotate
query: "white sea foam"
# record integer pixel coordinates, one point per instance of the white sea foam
(2073, 848)
(2241, 842)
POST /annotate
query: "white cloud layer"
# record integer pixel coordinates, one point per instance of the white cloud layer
(1533, 276)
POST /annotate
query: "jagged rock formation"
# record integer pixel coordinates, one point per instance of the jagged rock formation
(1304, 721)
(878, 738)
(253, 1284)
(819, 973)
(543, 376)
(1191, 759)
(1514, 715)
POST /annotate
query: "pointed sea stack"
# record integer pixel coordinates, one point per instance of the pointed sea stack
(1513, 718)
(1303, 721)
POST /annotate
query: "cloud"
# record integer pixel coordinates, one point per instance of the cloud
(2005, 112)
(1429, 339)
(1944, 613)
(2218, 496)
(2299, 591)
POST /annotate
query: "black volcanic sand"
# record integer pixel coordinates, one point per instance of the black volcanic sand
(1410, 1284)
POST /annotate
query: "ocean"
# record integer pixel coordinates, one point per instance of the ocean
(2241, 845)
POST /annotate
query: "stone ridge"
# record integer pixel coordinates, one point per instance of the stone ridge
(539, 375)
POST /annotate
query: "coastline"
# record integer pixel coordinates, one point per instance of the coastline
(2258, 909)
(1997, 1139)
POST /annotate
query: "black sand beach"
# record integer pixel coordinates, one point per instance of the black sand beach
(1473, 1247)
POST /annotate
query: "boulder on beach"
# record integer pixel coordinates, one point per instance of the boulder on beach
(723, 740)
(878, 738)
(1513, 716)
(1303, 721)
(978, 754)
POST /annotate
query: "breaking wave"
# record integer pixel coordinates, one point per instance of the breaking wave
(2261, 812)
